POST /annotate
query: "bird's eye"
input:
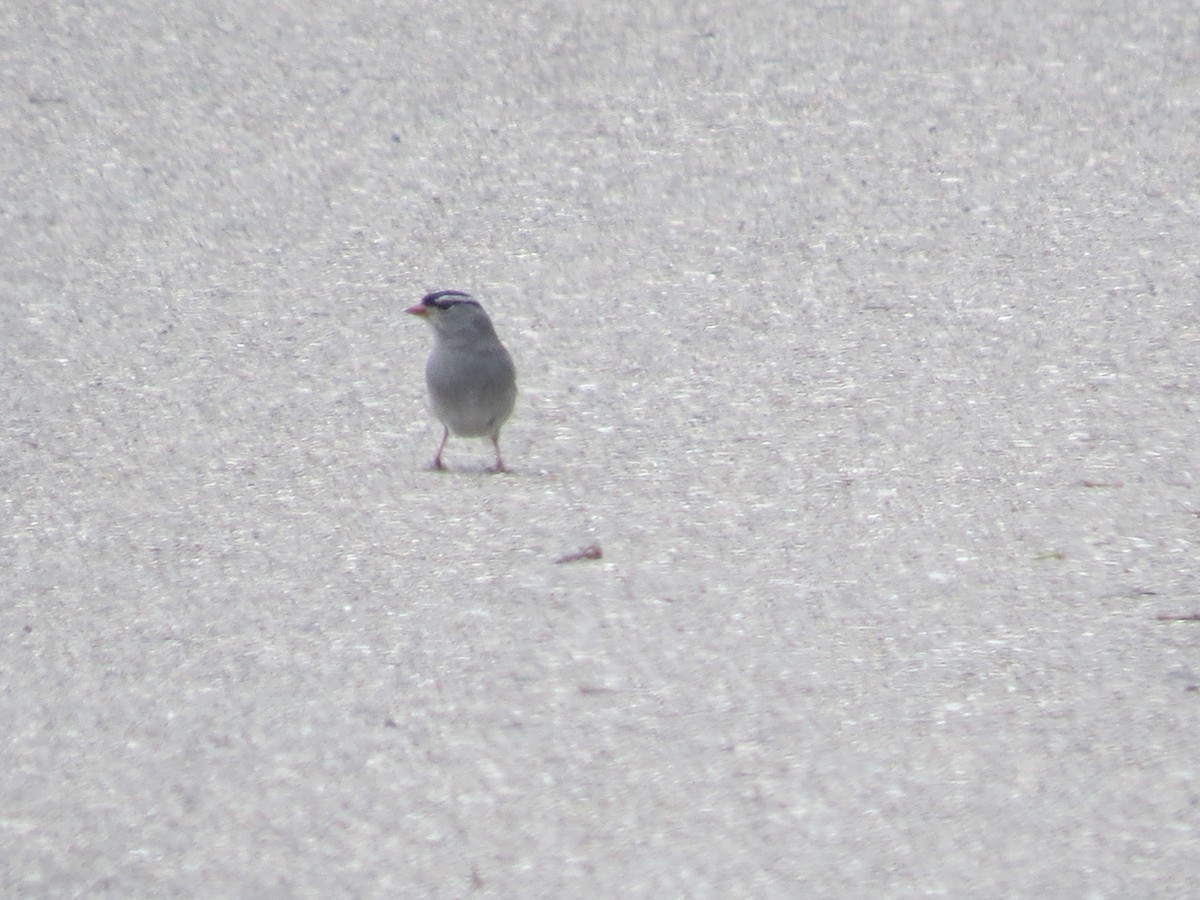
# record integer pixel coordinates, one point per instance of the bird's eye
(443, 300)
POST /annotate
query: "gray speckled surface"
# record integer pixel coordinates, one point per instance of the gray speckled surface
(863, 338)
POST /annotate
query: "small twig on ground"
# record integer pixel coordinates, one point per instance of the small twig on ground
(591, 551)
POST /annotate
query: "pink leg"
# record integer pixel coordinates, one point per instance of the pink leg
(437, 464)
(499, 467)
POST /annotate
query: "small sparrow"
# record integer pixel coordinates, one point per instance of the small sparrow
(471, 378)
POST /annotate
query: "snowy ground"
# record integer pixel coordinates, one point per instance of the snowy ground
(863, 338)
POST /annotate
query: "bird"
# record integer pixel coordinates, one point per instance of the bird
(470, 375)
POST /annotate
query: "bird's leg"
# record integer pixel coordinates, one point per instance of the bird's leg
(437, 463)
(499, 467)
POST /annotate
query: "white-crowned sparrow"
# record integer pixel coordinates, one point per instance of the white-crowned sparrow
(471, 379)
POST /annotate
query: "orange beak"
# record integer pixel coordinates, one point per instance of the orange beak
(418, 310)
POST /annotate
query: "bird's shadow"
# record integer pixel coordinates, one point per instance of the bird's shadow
(484, 470)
